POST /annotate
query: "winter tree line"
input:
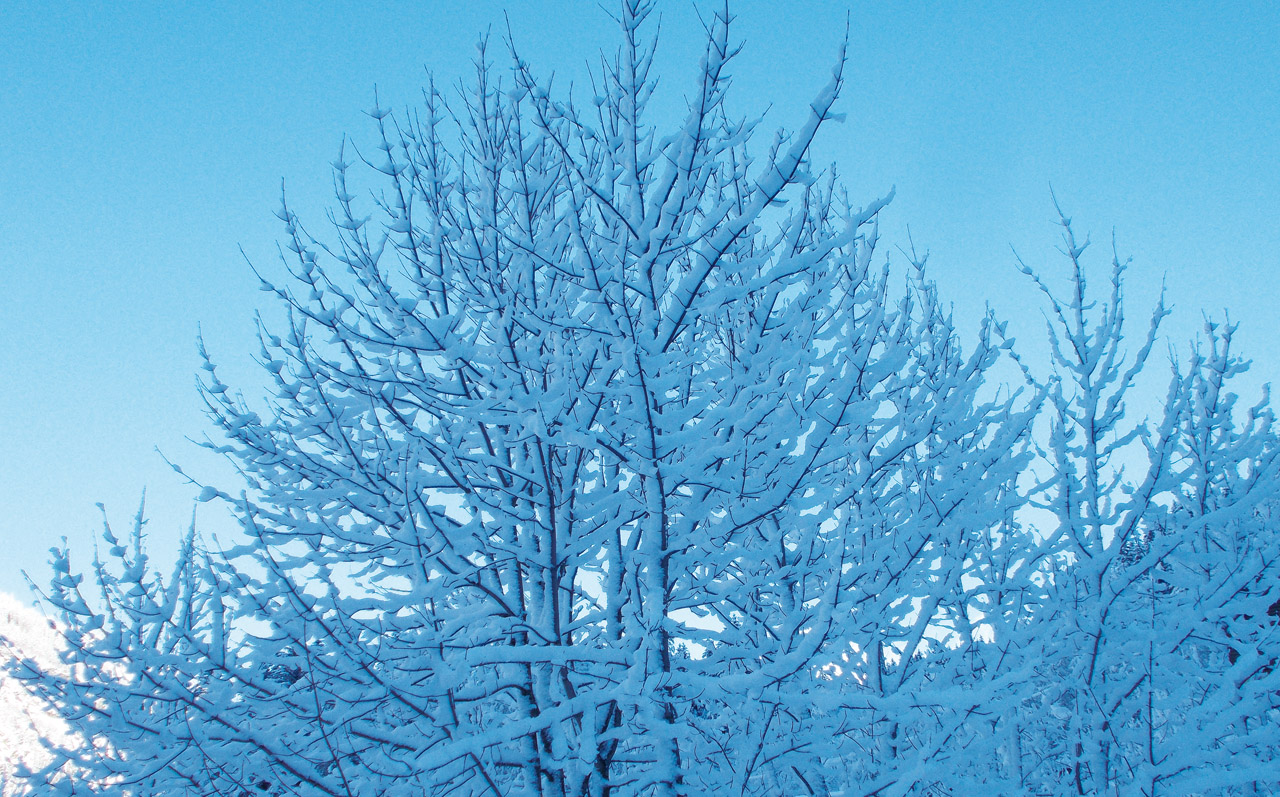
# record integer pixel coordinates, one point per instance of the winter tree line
(604, 459)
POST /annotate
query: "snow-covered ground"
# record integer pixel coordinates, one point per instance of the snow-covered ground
(23, 721)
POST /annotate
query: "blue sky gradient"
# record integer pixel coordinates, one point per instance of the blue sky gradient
(144, 144)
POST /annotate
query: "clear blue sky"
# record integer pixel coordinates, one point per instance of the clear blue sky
(142, 144)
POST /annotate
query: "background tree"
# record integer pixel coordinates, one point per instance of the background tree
(1163, 543)
(25, 722)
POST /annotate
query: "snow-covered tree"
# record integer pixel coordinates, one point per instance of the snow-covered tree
(583, 462)
(607, 459)
(1211, 572)
(25, 722)
(1166, 547)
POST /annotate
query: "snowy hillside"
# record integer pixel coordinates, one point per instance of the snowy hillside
(22, 720)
